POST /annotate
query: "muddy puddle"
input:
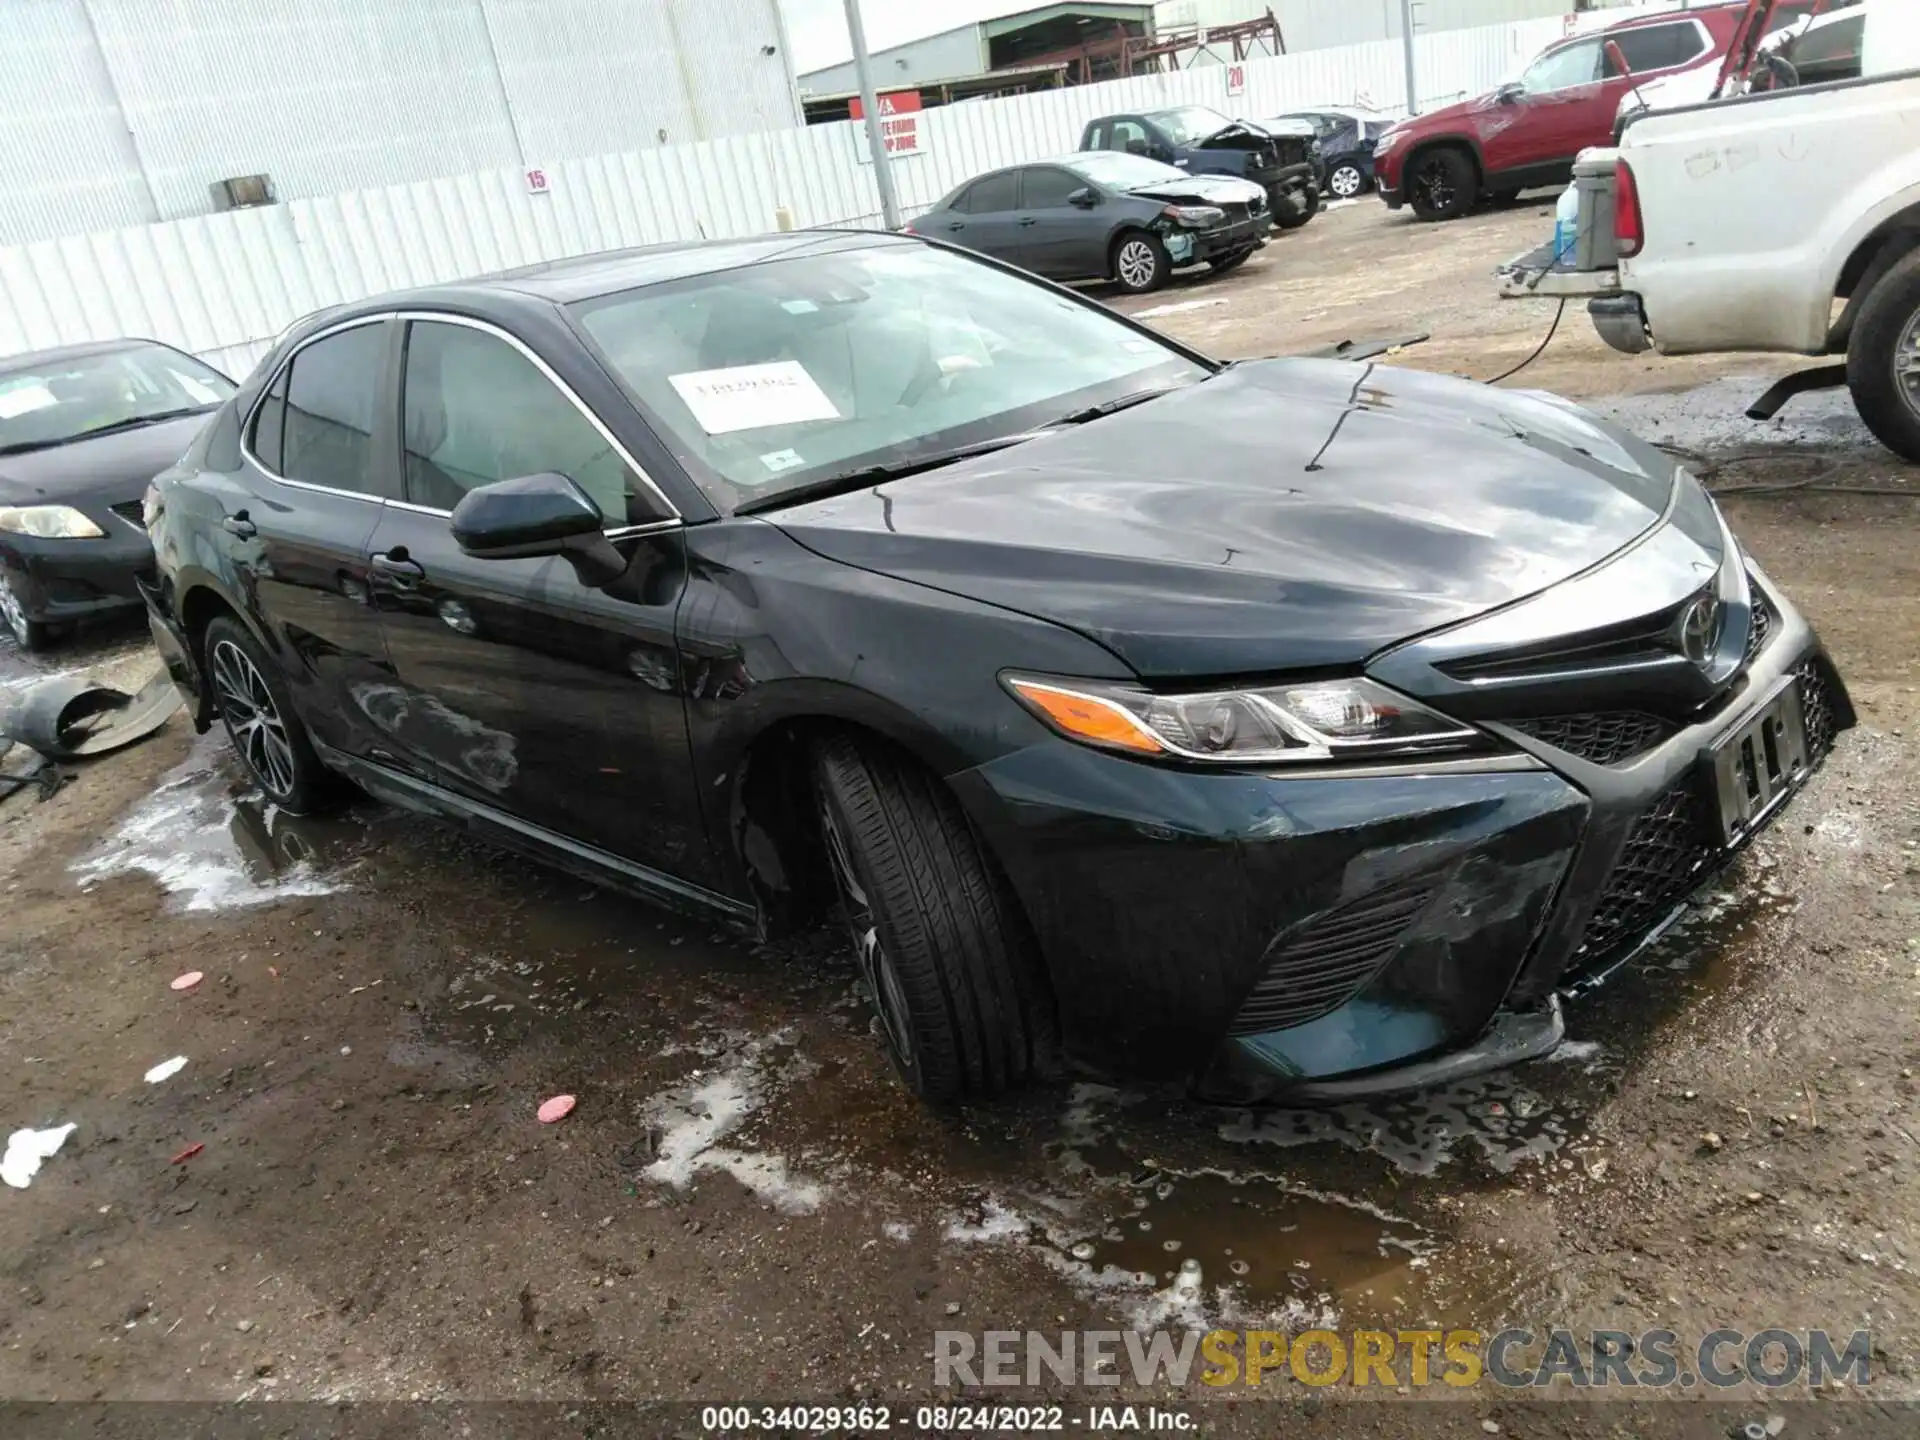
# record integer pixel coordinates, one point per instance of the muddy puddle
(214, 843)
(1712, 417)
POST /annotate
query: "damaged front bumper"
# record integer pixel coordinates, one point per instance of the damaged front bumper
(1325, 936)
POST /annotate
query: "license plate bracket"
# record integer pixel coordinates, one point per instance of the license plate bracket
(1753, 767)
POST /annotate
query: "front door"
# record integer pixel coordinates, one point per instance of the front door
(314, 470)
(1063, 240)
(988, 218)
(1553, 118)
(513, 683)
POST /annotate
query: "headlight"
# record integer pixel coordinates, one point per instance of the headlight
(150, 505)
(1320, 720)
(1201, 215)
(48, 522)
(1387, 142)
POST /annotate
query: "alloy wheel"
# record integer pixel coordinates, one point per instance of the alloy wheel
(253, 720)
(1906, 363)
(1345, 182)
(13, 612)
(1438, 187)
(889, 999)
(1136, 264)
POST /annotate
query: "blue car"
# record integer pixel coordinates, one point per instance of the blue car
(1347, 138)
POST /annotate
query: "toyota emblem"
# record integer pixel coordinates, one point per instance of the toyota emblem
(1700, 626)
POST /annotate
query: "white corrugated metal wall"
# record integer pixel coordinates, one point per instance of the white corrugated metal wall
(222, 286)
(119, 112)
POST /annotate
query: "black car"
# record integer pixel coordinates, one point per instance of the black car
(83, 429)
(1285, 726)
(1201, 141)
(1346, 139)
(1103, 216)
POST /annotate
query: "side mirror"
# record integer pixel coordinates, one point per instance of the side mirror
(1510, 93)
(1084, 197)
(537, 515)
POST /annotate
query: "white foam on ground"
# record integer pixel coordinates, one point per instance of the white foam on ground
(1177, 307)
(166, 1069)
(181, 835)
(26, 1149)
(695, 1118)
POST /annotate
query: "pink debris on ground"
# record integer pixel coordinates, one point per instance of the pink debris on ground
(188, 1153)
(188, 980)
(558, 1108)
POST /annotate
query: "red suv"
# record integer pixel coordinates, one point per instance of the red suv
(1527, 132)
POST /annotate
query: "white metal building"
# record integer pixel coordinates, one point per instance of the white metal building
(917, 44)
(122, 112)
(1318, 24)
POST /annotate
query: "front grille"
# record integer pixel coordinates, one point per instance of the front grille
(1675, 845)
(1324, 964)
(1606, 737)
(130, 511)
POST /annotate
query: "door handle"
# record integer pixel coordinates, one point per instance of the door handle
(397, 567)
(239, 525)
(1028, 220)
(956, 224)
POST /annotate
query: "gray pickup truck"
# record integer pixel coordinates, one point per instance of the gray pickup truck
(1283, 162)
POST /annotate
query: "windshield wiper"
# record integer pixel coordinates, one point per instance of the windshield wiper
(134, 422)
(1108, 407)
(859, 478)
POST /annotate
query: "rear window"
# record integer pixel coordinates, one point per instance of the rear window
(1658, 47)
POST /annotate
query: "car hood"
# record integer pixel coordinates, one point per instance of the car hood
(1285, 514)
(1202, 190)
(106, 470)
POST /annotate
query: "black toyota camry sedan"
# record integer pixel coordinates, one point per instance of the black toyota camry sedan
(83, 429)
(1281, 727)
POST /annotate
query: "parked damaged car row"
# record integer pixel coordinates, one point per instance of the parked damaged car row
(1146, 194)
(867, 574)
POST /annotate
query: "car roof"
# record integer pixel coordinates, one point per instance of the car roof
(35, 359)
(607, 272)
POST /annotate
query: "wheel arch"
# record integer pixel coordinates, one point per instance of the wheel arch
(1877, 252)
(765, 828)
(1451, 140)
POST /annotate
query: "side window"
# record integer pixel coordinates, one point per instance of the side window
(1657, 47)
(269, 421)
(1131, 136)
(994, 194)
(1046, 188)
(332, 385)
(1096, 136)
(1563, 69)
(476, 410)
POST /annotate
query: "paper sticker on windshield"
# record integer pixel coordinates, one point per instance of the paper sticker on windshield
(24, 400)
(781, 460)
(748, 397)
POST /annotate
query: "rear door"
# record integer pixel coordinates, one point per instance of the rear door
(1063, 240)
(317, 465)
(514, 684)
(986, 217)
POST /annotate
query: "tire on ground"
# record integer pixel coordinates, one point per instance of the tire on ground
(1889, 314)
(314, 787)
(1454, 169)
(979, 1016)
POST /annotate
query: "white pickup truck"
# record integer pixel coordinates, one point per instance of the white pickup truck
(1744, 224)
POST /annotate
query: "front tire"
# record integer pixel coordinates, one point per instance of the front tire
(1441, 184)
(1140, 263)
(255, 707)
(1883, 359)
(29, 634)
(953, 969)
(1297, 208)
(1346, 181)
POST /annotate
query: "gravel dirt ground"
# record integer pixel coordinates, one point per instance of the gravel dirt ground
(746, 1207)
